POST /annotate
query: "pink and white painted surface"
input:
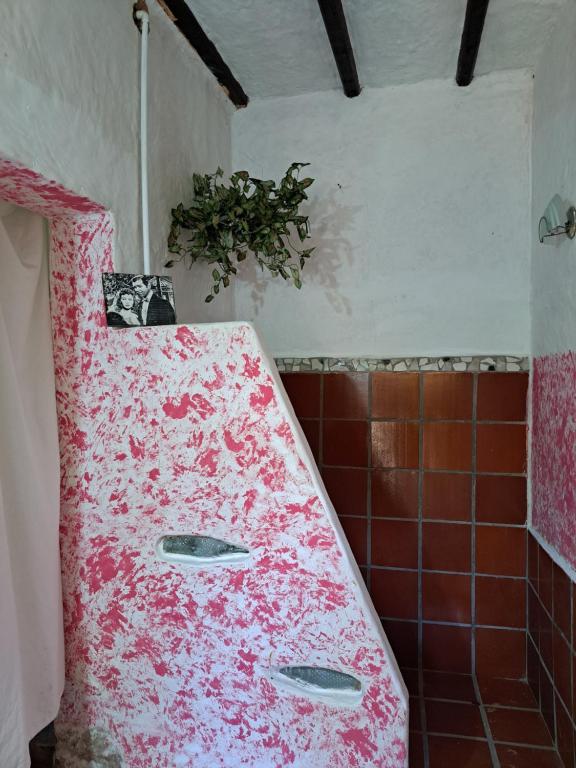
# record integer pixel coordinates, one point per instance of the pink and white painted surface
(186, 430)
(554, 452)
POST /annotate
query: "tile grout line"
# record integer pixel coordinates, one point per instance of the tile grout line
(473, 529)
(369, 490)
(518, 630)
(321, 425)
(486, 725)
(526, 596)
(441, 521)
(507, 707)
(429, 470)
(504, 743)
(422, 702)
(400, 420)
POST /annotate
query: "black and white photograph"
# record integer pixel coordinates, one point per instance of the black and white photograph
(137, 300)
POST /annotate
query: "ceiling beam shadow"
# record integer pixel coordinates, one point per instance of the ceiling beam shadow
(337, 29)
(184, 19)
(471, 36)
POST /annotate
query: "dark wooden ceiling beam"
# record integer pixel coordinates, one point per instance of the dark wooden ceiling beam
(337, 29)
(187, 23)
(471, 36)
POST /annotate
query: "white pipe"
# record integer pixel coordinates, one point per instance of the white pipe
(144, 20)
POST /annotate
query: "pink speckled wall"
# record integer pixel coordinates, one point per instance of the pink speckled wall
(183, 429)
(554, 452)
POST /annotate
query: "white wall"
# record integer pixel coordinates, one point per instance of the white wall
(69, 103)
(554, 172)
(421, 214)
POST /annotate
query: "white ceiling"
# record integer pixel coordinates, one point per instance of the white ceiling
(280, 47)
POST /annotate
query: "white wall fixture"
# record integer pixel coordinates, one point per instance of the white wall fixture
(552, 223)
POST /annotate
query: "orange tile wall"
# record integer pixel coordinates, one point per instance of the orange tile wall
(427, 472)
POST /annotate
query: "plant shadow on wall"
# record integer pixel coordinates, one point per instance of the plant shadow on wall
(331, 219)
(226, 223)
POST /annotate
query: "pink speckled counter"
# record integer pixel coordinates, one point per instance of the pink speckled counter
(186, 430)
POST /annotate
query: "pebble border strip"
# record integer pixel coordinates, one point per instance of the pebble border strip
(503, 363)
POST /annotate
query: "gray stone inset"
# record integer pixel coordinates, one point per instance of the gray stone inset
(501, 363)
(85, 748)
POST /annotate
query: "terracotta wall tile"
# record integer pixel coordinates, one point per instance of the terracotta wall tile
(546, 638)
(458, 718)
(346, 395)
(547, 699)
(395, 543)
(303, 390)
(311, 429)
(501, 551)
(403, 637)
(445, 751)
(534, 609)
(501, 602)
(501, 499)
(532, 670)
(574, 620)
(395, 444)
(416, 749)
(345, 443)
(501, 448)
(448, 685)
(545, 580)
(500, 653)
(574, 687)
(446, 648)
(347, 489)
(372, 468)
(506, 693)
(526, 757)
(356, 530)
(395, 395)
(446, 547)
(446, 496)
(395, 593)
(394, 493)
(448, 395)
(564, 734)
(521, 726)
(446, 597)
(533, 561)
(562, 601)
(502, 396)
(562, 668)
(448, 445)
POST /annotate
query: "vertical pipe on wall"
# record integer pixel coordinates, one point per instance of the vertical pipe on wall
(143, 21)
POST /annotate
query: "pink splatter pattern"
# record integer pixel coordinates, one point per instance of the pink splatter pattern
(554, 452)
(185, 430)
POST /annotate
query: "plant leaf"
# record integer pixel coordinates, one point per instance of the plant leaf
(246, 216)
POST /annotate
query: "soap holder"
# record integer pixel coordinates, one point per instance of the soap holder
(320, 683)
(191, 549)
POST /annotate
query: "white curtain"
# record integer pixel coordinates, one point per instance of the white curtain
(31, 642)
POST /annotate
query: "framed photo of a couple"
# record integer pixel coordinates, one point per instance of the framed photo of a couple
(138, 300)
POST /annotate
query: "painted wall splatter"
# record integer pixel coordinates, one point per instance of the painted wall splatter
(185, 430)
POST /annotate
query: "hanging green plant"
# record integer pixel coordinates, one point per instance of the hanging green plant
(249, 216)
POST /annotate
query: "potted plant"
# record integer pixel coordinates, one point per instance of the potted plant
(248, 216)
